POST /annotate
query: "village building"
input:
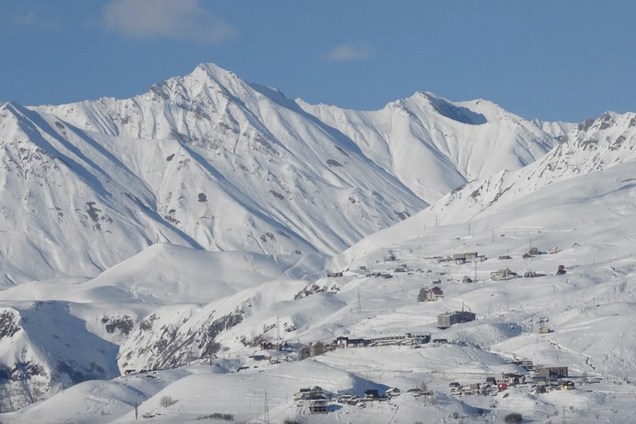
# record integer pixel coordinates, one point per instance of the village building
(316, 349)
(544, 330)
(259, 357)
(318, 406)
(371, 394)
(303, 353)
(447, 319)
(552, 373)
(434, 293)
(502, 274)
(553, 250)
(530, 274)
(463, 257)
(392, 392)
(512, 379)
(345, 342)
(302, 394)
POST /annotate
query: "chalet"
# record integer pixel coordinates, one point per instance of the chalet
(553, 250)
(502, 274)
(552, 373)
(530, 274)
(491, 380)
(454, 386)
(467, 279)
(447, 319)
(503, 257)
(544, 330)
(334, 274)
(434, 293)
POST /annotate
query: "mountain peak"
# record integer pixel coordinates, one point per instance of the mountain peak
(448, 109)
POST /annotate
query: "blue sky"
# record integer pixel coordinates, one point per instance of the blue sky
(552, 60)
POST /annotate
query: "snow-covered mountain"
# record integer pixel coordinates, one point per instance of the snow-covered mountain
(210, 161)
(434, 145)
(177, 230)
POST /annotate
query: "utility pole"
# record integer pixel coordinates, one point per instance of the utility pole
(266, 410)
(436, 221)
(475, 279)
(277, 327)
(359, 303)
(468, 227)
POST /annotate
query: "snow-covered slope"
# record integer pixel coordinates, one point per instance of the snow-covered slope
(434, 145)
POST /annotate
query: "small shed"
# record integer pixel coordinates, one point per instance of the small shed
(544, 330)
(553, 250)
(530, 274)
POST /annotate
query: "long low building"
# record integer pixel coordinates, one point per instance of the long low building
(447, 319)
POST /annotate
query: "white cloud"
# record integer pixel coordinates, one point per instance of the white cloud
(182, 19)
(356, 50)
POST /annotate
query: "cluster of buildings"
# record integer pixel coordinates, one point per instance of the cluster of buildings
(320, 399)
(543, 380)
